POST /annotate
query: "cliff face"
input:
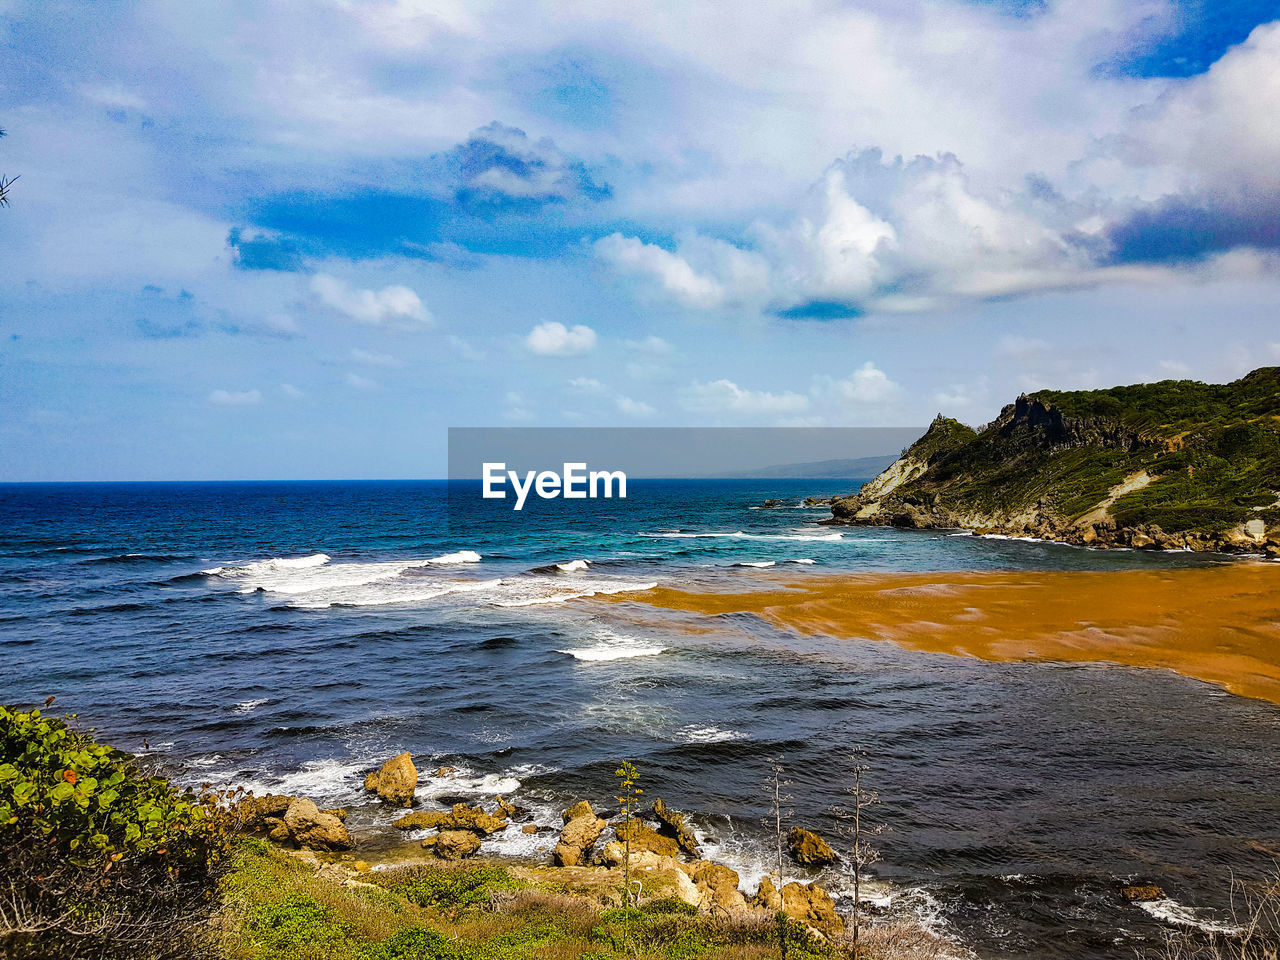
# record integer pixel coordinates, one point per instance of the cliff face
(1168, 465)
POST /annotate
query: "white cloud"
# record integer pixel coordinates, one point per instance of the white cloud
(235, 398)
(554, 339)
(373, 359)
(586, 385)
(289, 390)
(357, 382)
(395, 307)
(633, 408)
(1215, 132)
(703, 272)
(725, 396)
(867, 384)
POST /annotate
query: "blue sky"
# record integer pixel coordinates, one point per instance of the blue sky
(302, 239)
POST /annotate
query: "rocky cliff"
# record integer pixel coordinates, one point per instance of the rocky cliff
(1177, 464)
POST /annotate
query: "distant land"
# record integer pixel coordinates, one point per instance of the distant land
(1173, 465)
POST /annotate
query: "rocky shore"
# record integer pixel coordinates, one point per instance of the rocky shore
(592, 847)
(1167, 466)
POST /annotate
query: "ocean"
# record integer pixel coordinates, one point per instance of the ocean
(291, 636)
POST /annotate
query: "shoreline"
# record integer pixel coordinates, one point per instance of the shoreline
(1220, 624)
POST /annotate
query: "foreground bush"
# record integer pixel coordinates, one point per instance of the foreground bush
(97, 859)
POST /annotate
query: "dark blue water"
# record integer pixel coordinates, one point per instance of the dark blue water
(289, 636)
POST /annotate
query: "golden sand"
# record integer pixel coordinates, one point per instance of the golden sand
(1220, 624)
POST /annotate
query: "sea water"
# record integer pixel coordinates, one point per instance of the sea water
(290, 636)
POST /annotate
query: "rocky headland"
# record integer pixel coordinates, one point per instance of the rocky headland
(1173, 465)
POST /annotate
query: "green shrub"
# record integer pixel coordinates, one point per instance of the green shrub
(417, 943)
(444, 887)
(103, 860)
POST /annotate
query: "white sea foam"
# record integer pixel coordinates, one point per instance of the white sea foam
(315, 583)
(531, 591)
(1170, 911)
(692, 733)
(804, 560)
(756, 563)
(248, 706)
(462, 556)
(606, 652)
(273, 565)
(328, 780)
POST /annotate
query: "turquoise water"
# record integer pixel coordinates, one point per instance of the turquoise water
(289, 636)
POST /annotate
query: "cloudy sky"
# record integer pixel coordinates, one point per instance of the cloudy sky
(304, 238)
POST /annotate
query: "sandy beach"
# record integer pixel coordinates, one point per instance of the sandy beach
(1218, 624)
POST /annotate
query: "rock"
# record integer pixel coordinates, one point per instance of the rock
(456, 844)
(396, 781)
(276, 829)
(361, 866)
(1140, 541)
(421, 820)
(767, 897)
(254, 811)
(644, 837)
(660, 877)
(338, 812)
(315, 830)
(1142, 892)
(529, 828)
(577, 837)
(507, 810)
(462, 817)
(675, 824)
(718, 886)
(808, 848)
(473, 819)
(1273, 551)
(442, 772)
(579, 809)
(811, 905)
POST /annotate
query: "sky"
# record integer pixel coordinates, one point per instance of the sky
(302, 239)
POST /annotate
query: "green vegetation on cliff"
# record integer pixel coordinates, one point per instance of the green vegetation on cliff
(1175, 464)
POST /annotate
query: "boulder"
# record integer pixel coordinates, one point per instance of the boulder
(461, 817)
(473, 819)
(644, 837)
(808, 848)
(396, 781)
(455, 844)
(508, 810)
(661, 877)
(1142, 892)
(442, 772)
(676, 826)
(421, 820)
(255, 811)
(813, 906)
(579, 809)
(718, 886)
(578, 837)
(311, 828)
(529, 828)
(276, 829)
(767, 897)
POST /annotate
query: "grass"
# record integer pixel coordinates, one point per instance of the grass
(277, 907)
